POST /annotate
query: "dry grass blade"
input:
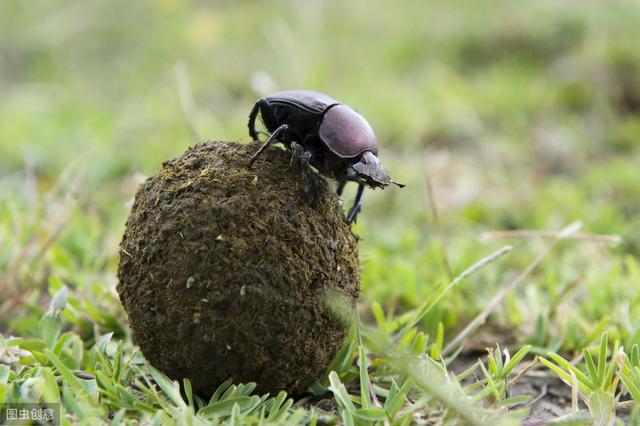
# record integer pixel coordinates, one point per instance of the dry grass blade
(574, 392)
(495, 302)
(522, 233)
(442, 291)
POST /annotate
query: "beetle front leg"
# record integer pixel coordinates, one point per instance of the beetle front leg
(268, 142)
(357, 205)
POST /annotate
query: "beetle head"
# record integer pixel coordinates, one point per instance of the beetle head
(369, 169)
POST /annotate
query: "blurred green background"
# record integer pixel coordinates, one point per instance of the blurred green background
(525, 115)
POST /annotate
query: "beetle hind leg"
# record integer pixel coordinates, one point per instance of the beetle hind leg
(261, 106)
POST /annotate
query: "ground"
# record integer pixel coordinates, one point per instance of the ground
(515, 127)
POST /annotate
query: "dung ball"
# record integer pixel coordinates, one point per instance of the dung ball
(231, 272)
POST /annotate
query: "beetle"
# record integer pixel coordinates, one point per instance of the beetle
(325, 134)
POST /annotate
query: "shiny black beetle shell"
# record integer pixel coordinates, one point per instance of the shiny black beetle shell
(343, 131)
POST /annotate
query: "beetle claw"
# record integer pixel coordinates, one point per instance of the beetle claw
(352, 216)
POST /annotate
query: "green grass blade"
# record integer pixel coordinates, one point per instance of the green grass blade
(67, 375)
(631, 386)
(602, 360)
(565, 376)
(433, 300)
(220, 391)
(365, 395)
(570, 368)
(436, 347)
(374, 414)
(224, 407)
(516, 359)
(591, 369)
(490, 383)
(188, 390)
(4, 373)
(340, 392)
(170, 388)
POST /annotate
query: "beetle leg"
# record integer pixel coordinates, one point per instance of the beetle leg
(268, 142)
(310, 181)
(340, 187)
(296, 153)
(252, 121)
(357, 205)
(304, 161)
(262, 106)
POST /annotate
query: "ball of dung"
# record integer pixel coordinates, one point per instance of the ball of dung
(230, 272)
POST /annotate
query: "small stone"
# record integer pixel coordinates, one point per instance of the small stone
(190, 282)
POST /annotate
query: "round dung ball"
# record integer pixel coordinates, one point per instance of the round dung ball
(230, 272)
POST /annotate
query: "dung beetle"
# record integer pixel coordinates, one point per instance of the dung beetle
(325, 134)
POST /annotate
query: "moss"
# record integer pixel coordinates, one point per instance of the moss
(227, 272)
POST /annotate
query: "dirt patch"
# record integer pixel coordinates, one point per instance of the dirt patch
(230, 272)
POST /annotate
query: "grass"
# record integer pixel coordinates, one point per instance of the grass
(508, 122)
